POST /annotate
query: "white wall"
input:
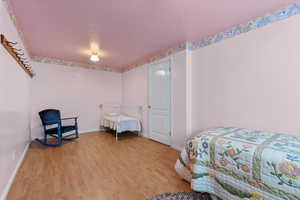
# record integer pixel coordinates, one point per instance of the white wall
(135, 92)
(180, 98)
(14, 105)
(75, 91)
(250, 81)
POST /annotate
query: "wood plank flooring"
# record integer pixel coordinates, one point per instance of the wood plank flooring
(96, 167)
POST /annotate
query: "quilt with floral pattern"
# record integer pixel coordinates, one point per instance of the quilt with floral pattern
(240, 164)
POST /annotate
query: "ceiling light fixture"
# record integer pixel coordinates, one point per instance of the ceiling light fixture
(94, 57)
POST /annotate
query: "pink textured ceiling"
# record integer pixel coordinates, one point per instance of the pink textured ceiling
(127, 30)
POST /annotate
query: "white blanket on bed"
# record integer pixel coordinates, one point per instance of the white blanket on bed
(121, 123)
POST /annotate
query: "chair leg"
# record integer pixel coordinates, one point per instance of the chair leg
(76, 131)
(46, 143)
(116, 136)
(60, 138)
(76, 128)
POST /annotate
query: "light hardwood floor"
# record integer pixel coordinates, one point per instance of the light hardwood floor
(96, 167)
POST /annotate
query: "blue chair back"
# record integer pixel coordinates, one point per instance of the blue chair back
(50, 116)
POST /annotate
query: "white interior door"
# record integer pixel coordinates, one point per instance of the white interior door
(160, 102)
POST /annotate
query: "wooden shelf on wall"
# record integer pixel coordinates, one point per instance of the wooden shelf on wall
(17, 55)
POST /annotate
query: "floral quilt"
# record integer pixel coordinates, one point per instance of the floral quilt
(240, 164)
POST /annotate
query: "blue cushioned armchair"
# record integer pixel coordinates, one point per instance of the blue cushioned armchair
(51, 117)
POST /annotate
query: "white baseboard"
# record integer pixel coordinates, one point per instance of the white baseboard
(177, 147)
(80, 132)
(88, 131)
(144, 134)
(12, 177)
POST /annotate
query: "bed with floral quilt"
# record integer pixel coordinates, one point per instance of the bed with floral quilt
(240, 164)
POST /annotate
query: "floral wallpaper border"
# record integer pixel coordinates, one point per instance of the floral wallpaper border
(284, 13)
(72, 64)
(156, 57)
(289, 11)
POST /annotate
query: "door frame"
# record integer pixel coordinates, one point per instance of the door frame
(168, 58)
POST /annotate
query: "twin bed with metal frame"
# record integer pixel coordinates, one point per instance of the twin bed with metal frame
(121, 118)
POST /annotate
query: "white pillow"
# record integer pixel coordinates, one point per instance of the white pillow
(112, 114)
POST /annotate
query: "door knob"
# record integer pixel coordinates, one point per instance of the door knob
(149, 106)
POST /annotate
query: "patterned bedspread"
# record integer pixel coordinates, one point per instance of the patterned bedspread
(235, 164)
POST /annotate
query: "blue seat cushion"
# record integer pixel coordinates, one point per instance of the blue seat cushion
(64, 129)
